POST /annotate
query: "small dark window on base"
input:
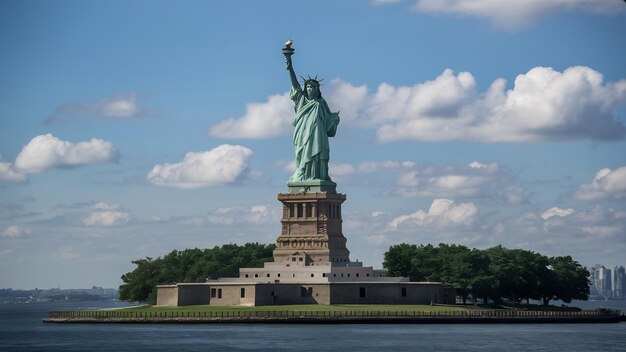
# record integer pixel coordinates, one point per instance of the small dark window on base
(362, 292)
(243, 292)
(403, 291)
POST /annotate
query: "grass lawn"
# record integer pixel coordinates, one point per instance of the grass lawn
(304, 308)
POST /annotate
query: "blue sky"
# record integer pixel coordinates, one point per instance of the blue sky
(132, 128)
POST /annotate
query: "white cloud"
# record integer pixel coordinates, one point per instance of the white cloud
(544, 104)
(605, 185)
(8, 173)
(121, 106)
(556, 211)
(345, 98)
(261, 120)
(441, 99)
(47, 151)
(515, 14)
(443, 213)
(105, 214)
(15, 231)
(225, 164)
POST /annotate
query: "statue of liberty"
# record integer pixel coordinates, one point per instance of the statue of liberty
(313, 124)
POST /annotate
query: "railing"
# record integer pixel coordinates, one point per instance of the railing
(130, 314)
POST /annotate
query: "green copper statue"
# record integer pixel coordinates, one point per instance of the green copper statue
(314, 123)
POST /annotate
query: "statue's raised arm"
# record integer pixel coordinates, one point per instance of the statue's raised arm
(288, 51)
(313, 124)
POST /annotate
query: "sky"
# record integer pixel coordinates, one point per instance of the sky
(129, 129)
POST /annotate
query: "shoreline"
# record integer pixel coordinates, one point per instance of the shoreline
(338, 320)
(303, 316)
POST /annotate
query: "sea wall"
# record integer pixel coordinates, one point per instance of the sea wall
(338, 317)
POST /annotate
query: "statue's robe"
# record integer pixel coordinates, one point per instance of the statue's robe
(313, 123)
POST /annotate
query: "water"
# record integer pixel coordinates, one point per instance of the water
(21, 329)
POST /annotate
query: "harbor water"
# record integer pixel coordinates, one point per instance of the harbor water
(21, 329)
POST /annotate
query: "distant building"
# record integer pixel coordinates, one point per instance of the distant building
(602, 281)
(607, 283)
(619, 282)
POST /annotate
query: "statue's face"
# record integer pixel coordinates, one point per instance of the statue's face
(311, 91)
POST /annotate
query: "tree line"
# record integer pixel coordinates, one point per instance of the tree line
(190, 265)
(496, 273)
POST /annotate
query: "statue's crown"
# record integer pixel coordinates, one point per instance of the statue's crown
(315, 79)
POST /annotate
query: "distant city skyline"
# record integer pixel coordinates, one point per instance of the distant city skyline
(609, 283)
(129, 129)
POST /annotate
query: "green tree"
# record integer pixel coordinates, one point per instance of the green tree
(397, 260)
(495, 273)
(518, 273)
(568, 280)
(190, 265)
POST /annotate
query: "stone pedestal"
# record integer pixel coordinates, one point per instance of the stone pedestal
(313, 186)
(311, 228)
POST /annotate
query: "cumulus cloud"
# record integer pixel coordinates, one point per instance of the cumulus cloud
(345, 98)
(225, 164)
(15, 231)
(442, 98)
(543, 105)
(261, 120)
(121, 106)
(9, 174)
(556, 211)
(105, 214)
(47, 151)
(607, 184)
(443, 213)
(514, 14)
